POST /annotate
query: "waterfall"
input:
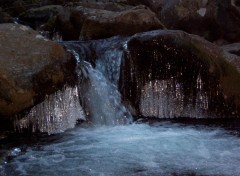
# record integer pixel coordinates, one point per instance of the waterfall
(99, 71)
(110, 63)
(95, 98)
(101, 99)
(119, 71)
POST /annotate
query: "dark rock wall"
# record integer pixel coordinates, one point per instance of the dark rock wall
(166, 55)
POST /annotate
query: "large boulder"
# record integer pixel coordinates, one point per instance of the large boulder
(42, 19)
(5, 17)
(174, 74)
(97, 23)
(214, 20)
(30, 67)
(111, 5)
(167, 73)
(35, 17)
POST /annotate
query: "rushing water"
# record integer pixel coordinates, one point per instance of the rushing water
(102, 100)
(138, 149)
(162, 148)
(95, 98)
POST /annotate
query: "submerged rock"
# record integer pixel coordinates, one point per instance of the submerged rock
(30, 67)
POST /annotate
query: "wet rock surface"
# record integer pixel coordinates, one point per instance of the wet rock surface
(182, 61)
(169, 73)
(201, 73)
(30, 67)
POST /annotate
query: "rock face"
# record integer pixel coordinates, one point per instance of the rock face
(30, 67)
(174, 74)
(38, 16)
(4, 17)
(164, 74)
(215, 20)
(97, 23)
(110, 5)
(211, 19)
(168, 73)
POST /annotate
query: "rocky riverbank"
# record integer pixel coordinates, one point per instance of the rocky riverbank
(194, 44)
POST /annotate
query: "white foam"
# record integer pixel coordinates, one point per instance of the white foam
(202, 12)
(24, 28)
(163, 149)
(41, 37)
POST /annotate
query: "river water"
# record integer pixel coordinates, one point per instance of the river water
(160, 148)
(108, 143)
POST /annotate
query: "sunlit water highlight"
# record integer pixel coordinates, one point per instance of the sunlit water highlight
(137, 149)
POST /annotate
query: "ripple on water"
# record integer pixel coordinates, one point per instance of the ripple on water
(137, 149)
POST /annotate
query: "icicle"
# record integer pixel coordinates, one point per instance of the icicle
(201, 99)
(57, 113)
(165, 99)
(158, 99)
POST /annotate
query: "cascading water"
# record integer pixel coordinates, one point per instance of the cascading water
(157, 148)
(101, 99)
(99, 72)
(153, 89)
(98, 85)
(110, 63)
(95, 98)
